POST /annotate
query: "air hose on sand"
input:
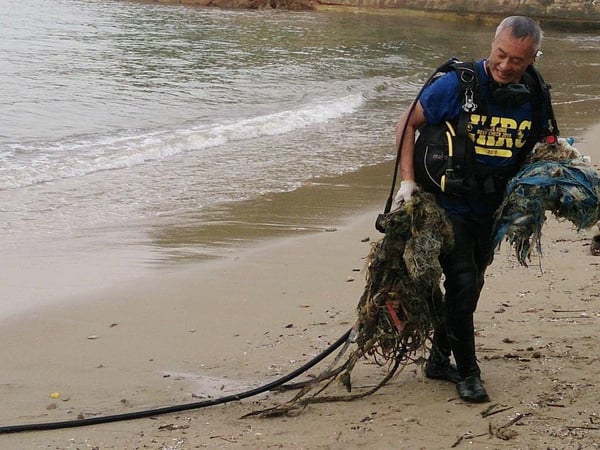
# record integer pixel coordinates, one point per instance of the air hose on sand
(345, 338)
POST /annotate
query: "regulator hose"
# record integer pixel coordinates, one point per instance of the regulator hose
(177, 408)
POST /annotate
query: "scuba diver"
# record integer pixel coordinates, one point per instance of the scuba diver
(474, 124)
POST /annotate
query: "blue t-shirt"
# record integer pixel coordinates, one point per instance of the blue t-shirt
(499, 132)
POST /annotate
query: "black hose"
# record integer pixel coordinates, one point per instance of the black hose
(176, 408)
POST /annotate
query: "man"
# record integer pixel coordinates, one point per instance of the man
(507, 126)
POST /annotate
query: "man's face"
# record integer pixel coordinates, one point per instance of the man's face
(510, 57)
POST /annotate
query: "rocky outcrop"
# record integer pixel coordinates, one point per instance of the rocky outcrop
(561, 13)
(292, 5)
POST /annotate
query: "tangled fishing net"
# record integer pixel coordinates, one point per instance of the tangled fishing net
(555, 178)
(396, 312)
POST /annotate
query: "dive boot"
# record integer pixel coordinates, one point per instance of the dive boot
(438, 367)
(471, 390)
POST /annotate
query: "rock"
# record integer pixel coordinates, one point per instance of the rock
(290, 5)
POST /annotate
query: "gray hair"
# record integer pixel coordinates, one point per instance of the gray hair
(522, 27)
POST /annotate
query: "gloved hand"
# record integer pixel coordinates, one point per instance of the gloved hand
(404, 194)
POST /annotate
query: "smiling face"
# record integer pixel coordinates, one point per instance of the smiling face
(510, 57)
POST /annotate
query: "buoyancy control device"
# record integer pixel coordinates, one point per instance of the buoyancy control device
(443, 153)
(444, 157)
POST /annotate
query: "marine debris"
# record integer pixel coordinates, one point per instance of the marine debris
(555, 178)
(399, 306)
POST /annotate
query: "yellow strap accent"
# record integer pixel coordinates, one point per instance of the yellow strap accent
(497, 152)
(450, 128)
(450, 144)
(449, 135)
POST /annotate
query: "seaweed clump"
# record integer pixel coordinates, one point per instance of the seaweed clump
(397, 308)
(396, 312)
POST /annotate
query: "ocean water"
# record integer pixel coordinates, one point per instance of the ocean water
(138, 134)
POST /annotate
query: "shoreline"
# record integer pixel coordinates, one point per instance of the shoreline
(224, 326)
(105, 260)
(216, 234)
(563, 19)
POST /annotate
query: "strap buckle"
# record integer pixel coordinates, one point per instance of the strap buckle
(469, 105)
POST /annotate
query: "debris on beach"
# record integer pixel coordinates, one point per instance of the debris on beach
(399, 307)
(595, 245)
(555, 178)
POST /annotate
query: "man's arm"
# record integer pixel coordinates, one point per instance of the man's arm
(408, 125)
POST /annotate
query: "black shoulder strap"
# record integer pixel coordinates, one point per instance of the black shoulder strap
(463, 157)
(543, 94)
(469, 84)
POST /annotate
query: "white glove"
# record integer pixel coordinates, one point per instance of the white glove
(404, 194)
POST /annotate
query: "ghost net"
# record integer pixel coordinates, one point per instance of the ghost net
(555, 178)
(399, 306)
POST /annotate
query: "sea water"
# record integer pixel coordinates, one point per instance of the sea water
(137, 133)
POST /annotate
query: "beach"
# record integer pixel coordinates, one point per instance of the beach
(214, 328)
(188, 198)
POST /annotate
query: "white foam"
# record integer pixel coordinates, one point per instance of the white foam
(27, 165)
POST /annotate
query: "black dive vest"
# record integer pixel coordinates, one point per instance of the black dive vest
(444, 158)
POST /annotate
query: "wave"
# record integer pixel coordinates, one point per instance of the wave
(34, 163)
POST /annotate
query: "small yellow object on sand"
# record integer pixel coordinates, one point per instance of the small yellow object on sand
(54, 395)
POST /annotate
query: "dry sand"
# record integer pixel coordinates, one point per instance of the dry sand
(222, 327)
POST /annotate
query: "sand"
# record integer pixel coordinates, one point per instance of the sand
(215, 328)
